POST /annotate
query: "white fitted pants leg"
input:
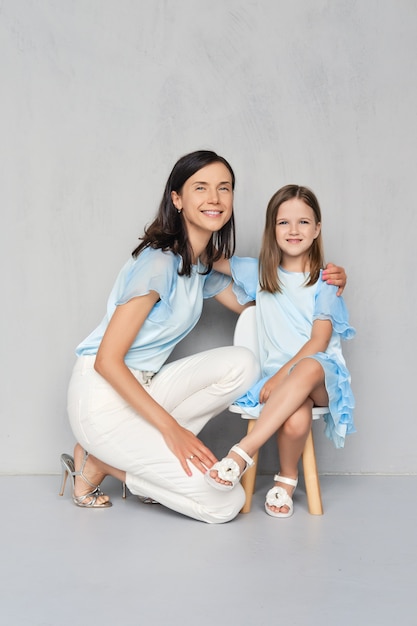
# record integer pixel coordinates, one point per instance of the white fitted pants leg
(193, 389)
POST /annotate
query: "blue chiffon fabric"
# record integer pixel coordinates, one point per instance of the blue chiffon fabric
(284, 323)
(173, 316)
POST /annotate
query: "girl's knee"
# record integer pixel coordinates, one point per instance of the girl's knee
(298, 425)
(309, 367)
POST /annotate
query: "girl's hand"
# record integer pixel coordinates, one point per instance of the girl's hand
(270, 385)
(265, 392)
(335, 275)
(189, 449)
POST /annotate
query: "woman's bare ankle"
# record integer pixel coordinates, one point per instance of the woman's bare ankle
(92, 475)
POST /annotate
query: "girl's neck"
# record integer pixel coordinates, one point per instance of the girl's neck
(298, 264)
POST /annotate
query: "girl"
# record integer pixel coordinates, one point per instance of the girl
(300, 324)
(137, 416)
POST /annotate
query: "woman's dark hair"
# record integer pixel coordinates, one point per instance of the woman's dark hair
(271, 255)
(168, 231)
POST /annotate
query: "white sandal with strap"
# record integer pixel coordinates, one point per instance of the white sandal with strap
(228, 469)
(278, 497)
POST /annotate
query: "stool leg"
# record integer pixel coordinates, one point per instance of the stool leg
(311, 477)
(249, 477)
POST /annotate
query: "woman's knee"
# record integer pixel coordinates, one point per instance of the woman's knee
(246, 366)
(224, 506)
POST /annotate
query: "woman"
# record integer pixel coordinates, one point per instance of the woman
(137, 417)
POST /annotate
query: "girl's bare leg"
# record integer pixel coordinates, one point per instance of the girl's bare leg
(95, 471)
(291, 440)
(304, 383)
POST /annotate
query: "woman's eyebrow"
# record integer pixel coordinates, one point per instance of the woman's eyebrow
(203, 182)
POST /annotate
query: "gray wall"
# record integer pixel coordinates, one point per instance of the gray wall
(100, 97)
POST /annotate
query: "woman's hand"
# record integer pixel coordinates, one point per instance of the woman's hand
(189, 449)
(335, 275)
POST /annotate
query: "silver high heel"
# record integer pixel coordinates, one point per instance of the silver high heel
(144, 499)
(88, 500)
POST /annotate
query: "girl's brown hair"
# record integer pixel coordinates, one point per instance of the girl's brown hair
(271, 255)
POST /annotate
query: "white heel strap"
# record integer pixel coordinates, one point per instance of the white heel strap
(238, 450)
(287, 481)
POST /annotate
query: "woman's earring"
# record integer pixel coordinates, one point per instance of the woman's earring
(178, 211)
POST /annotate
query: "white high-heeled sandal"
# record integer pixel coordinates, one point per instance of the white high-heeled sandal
(278, 496)
(228, 469)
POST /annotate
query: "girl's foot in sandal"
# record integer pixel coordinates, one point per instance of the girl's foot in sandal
(225, 474)
(278, 501)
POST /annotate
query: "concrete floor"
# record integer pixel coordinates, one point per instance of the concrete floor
(137, 564)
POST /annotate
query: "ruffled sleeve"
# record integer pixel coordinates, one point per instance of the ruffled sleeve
(215, 283)
(328, 306)
(245, 278)
(152, 270)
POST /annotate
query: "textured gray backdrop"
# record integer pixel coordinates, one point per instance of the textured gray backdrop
(100, 97)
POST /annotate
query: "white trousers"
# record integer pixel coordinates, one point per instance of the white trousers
(193, 390)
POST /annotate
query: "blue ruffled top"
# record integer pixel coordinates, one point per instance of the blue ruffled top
(173, 316)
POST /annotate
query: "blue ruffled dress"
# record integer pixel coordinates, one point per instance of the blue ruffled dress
(284, 322)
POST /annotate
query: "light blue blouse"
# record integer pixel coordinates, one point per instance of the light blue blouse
(284, 322)
(172, 317)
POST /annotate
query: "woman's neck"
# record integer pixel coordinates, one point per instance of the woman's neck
(199, 245)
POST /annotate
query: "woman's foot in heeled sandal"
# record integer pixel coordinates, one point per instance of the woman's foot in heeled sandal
(225, 474)
(278, 501)
(91, 497)
(143, 499)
